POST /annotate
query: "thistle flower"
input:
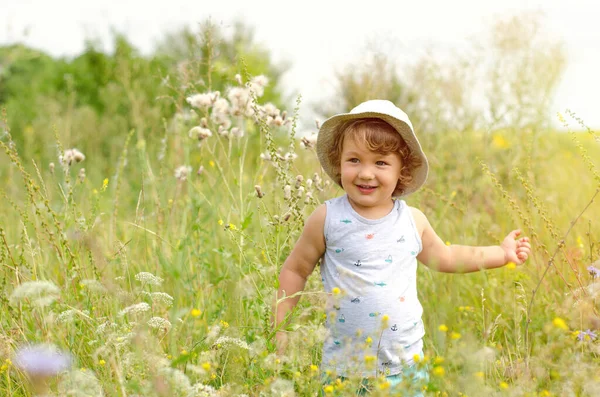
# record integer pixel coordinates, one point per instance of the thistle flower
(159, 323)
(259, 192)
(81, 175)
(290, 156)
(200, 133)
(71, 155)
(51, 166)
(134, 309)
(182, 172)
(237, 132)
(238, 79)
(287, 192)
(200, 170)
(203, 101)
(309, 141)
(594, 272)
(266, 156)
(38, 293)
(270, 110)
(41, 361)
(258, 84)
(148, 278)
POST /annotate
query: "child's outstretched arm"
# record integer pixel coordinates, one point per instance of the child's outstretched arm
(298, 266)
(465, 259)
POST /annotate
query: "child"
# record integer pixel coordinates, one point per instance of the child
(369, 243)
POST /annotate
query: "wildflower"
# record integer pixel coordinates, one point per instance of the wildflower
(479, 374)
(69, 156)
(199, 133)
(206, 366)
(220, 222)
(290, 156)
(196, 312)
(417, 358)
(438, 371)
(238, 79)
(500, 142)
(309, 141)
(226, 340)
(134, 309)
(259, 192)
(314, 368)
(594, 272)
(224, 324)
(265, 156)
(203, 101)
(148, 278)
(443, 328)
(93, 286)
(511, 265)
(231, 226)
(211, 163)
(237, 132)
(383, 385)
(579, 242)
(438, 360)
(66, 316)
(161, 297)
(81, 175)
(503, 385)
(182, 172)
(287, 192)
(42, 360)
(51, 166)
(38, 293)
(586, 335)
(102, 363)
(560, 323)
(328, 389)
(159, 323)
(369, 340)
(258, 84)
(448, 243)
(335, 291)
(455, 335)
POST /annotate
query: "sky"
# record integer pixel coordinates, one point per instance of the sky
(319, 37)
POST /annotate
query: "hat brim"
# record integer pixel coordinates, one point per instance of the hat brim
(330, 129)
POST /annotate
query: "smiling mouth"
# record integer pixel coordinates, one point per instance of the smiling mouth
(366, 187)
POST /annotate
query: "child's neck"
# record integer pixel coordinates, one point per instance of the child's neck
(375, 212)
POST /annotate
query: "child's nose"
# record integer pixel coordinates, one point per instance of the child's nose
(366, 173)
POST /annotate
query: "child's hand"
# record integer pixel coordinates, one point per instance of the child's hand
(516, 251)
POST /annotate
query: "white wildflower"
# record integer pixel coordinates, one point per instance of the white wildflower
(290, 156)
(277, 120)
(223, 131)
(104, 326)
(80, 383)
(161, 297)
(308, 198)
(266, 156)
(300, 192)
(159, 323)
(309, 183)
(200, 133)
(283, 388)
(70, 156)
(182, 172)
(258, 84)
(309, 141)
(93, 286)
(287, 192)
(239, 98)
(66, 316)
(38, 293)
(178, 382)
(203, 101)
(213, 332)
(201, 390)
(148, 278)
(271, 110)
(224, 341)
(238, 79)
(135, 309)
(220, 112)
(237, 132)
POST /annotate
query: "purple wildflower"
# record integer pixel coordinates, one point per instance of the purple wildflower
(42, 360)
(591, 335)
(594, 271)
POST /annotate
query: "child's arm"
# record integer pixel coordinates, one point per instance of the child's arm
(298, 266)
(465, 259)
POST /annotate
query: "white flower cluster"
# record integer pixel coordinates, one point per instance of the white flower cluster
(224, 341)
(80, 383)
(93, 286)
(70, 156)
(182, 172)
(66, 316)
(148, 278)
(38, 293)
(159, 297)
(203, 101)
(201, 390)
(309, 141)
(159, 323)
(200, 133)
(135, 309)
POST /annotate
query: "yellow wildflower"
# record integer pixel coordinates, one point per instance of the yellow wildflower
(220, 222)
(104, 184)
(232, 226)
(438, 360)
(560, 323)
(335, 290)
(370, 359)
(503, 385)
(455, 335)
(196, 312)
(385, 318)
(314, 368)
(479, 374)
(211, 163)
(438, 371)
(511, 265)
(369, 340)
(328, 389)
(383, 385)
(102, 362)
(417, 358)
(448, 243)
(443, 328)
(224, 324)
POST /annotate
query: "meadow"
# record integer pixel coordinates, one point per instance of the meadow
(155, 265)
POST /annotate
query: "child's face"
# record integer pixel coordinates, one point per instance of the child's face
(369, 178)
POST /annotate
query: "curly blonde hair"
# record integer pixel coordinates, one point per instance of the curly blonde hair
(377, 136)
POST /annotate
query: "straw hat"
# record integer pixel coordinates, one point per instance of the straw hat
(380, 109)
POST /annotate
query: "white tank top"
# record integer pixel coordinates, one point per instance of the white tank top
(369, 269)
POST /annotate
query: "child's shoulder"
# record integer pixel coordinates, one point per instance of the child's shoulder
(420, 219)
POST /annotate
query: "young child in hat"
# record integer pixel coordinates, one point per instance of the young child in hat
(369, 241)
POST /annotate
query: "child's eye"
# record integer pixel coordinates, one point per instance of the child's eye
(353, 160)
(381, 163)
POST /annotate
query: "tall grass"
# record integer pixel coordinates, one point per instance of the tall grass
(165, 261)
